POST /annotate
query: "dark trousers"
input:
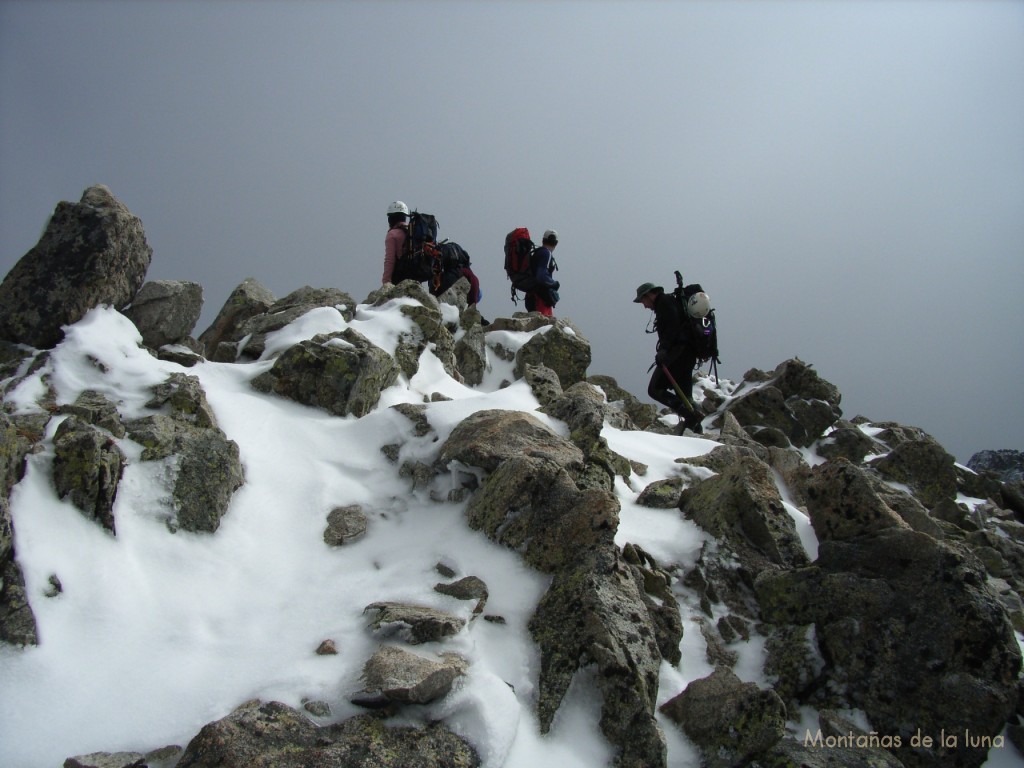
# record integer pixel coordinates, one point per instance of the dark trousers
(661, 390)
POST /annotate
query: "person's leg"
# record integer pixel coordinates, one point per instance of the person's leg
(542, 306)
(682, 371)
(660, 390)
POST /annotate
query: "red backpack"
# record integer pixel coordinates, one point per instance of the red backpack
(519, 250)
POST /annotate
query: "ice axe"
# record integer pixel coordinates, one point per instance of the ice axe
(679, 390)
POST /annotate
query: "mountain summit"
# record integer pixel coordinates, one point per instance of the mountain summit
(382, 533)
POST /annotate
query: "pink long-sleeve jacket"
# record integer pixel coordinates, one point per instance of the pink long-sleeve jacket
(394, 241)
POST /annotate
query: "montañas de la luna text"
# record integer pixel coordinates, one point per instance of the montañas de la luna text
(874, 740)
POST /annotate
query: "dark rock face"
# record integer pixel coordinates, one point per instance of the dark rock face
(843, 502)
(923, 465)
(17, 622)
(208, 469)
(730, 720)
(166, 311)
(273, 735)
(794, 405)
(531, 505)
(742, 505)
(343, 373)
(911, 635)
(87, 468)
(1007, 465)
(93, 252)
(604, 609)
(487, 438)
(249, 299)
(595, 614)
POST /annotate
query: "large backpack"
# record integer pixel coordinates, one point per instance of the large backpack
(700, 328)
(446, 267)
(453, 256)
(519, 250)
(421, 248)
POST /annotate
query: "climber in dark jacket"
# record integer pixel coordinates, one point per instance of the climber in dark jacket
(544, 295)
(674, 357)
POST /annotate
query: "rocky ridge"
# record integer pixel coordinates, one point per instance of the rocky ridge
(906, 612)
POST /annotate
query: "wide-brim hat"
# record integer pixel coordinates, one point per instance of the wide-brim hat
(644, 289)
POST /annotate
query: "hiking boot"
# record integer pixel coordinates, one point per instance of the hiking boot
(683, 427)
(692, 422)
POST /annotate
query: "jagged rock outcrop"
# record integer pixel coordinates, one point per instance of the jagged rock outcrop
(470, 344)
(87, 468)
(204, 466)
(637, 415)
(342, 372)
(731, 721)
(847, 441)
(843, 503)
(600, 610)
(906, 611)
(165, 757)
(583, 409)
(532, 505)
(911, 634)
(560, 347)
(166, 312)
(249, 299)
(563, 349)
(240, 330)
(17, 622)
(741, 506)
(903, 607)
(429, 328)
(487, 438)
(273, 735)
(92, 252)
(1005, 464)
(594, 614)
(95, 408)
(923, 465)
(793, 405)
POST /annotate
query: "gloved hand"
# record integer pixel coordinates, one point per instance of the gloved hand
(554, 297)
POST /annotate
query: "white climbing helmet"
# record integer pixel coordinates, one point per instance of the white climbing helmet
(698, 305)
(398, 207)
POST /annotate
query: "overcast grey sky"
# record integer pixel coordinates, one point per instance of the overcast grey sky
(846, 179)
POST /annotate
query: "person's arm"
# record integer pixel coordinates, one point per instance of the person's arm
(474, 285)
(542, 271)
(392, 246)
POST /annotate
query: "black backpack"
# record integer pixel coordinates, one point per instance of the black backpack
(453, 256)
(421, 248)
(701, 333)
(446, 267)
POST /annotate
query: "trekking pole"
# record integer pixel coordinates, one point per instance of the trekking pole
(679, 391)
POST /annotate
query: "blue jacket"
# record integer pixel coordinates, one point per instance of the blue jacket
(544, 266)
